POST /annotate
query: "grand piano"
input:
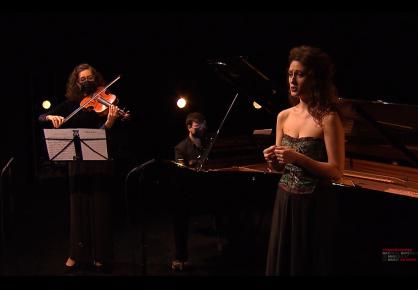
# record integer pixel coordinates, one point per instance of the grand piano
(368, 223)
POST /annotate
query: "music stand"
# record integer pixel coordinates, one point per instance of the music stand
(76, 144)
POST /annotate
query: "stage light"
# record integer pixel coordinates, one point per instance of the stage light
(256, 105)
(181, 103)
(46, 104)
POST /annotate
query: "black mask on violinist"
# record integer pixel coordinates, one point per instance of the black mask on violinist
(88, 87)
(199, 133)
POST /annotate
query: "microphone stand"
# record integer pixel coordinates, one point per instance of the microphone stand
(213, 139)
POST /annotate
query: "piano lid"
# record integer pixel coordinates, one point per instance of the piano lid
(381, 131)
(249, 80)
(245, 148)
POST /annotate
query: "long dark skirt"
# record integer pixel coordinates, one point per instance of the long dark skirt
(290, 249)
(90, 211)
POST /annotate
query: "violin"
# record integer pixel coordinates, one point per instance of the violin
(101, 102)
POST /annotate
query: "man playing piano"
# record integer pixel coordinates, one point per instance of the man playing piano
(188, 152)
(310, 150)
(190, 149)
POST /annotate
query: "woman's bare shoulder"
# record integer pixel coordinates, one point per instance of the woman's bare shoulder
(332, 121)
(330, 118)
(284, 114)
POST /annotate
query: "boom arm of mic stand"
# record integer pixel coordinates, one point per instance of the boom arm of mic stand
(212, 141)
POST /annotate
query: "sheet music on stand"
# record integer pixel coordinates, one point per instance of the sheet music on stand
(76, 144)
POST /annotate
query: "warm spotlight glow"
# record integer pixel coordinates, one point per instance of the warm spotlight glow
(181, 103)
(46, 104)
(256, 105)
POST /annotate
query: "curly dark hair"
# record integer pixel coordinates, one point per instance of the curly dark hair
(73, 92)
(320, 69)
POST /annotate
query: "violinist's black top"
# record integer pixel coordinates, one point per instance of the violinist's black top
(83, 119)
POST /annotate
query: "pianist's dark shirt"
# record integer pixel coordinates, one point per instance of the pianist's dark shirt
(188, 151)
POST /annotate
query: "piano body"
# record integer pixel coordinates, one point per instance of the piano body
(368, 223)
(376, 205)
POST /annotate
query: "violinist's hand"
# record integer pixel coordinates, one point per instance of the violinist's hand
(56, 120)
(112, 115)
(286, 154)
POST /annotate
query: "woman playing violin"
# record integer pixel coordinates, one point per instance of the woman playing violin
(83, 82)
(90, 197)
